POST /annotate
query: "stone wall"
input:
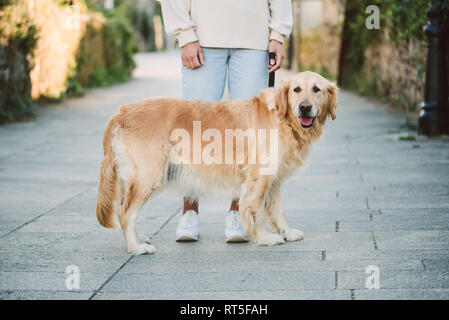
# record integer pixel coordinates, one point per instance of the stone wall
(398, 71)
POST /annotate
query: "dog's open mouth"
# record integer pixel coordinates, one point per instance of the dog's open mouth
(306, 122)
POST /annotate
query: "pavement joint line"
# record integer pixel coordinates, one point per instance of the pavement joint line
(43, 214)
(45, 290)
(131, 257)
(246, 277)
(367, 203)
(374, 240)
(200, 291)
(247, 273)
(110, 278)
(165, 223)
(323, 255)
(336, 280)
(423, 264)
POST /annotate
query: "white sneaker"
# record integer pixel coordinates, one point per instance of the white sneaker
(234, 231)
(188, 227)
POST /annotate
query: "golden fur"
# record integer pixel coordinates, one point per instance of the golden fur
(137, 150)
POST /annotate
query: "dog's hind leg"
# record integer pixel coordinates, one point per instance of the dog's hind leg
(252, 200)
(274, 213)
(134, 198)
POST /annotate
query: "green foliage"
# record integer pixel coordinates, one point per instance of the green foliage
(139, 19)
(113, 55)
(325, 72)
(105, 77)
(407, 138)
(404, 19)
(18, 38)
(400, 20)
(105, 54)
(4, 3)
(119, 45)
(407, 18)
(365, 83)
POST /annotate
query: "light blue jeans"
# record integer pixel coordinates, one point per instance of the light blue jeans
(245, 69)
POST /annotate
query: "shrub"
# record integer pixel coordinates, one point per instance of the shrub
(389, 61)
(17, 42)
(71, 46)
(105, 55)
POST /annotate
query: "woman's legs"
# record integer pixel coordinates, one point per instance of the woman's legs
(247, 75)
(208, 81)
(204, 83)
(247, 72)
(190, 204)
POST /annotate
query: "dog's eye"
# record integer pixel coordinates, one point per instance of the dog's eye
(297, 89)
(316, 89)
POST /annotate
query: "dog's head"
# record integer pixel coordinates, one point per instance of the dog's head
(306, 100)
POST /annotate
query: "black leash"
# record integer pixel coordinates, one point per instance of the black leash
(271, 55)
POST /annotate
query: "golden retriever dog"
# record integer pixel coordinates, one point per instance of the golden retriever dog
(142, 139)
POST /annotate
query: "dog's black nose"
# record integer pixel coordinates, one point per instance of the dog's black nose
(305, 107)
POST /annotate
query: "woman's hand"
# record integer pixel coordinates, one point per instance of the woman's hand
(192, 55)
(276, 47)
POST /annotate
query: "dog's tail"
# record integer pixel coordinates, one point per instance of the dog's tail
(109, 188)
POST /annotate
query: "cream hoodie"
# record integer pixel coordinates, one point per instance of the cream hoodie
(246, 24)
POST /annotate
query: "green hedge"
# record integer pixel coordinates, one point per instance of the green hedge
(402, 32)
(105, 56)
(404, 20)
(18, 38)
(139, 19)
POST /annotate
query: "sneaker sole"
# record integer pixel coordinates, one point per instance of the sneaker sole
(236, 239)
(186, 238)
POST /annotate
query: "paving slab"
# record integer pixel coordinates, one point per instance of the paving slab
(219, 281)
(392, 279)
(365, 198)
(402, 294)
(225, 295)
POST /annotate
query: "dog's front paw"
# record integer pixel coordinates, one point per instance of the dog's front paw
(143, 238)
(142, 248)
(293, 235)
(270, 239)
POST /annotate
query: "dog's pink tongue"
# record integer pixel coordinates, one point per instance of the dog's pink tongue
(306, 121)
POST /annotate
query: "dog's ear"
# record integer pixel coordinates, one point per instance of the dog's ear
(282, 98)
(332, 92)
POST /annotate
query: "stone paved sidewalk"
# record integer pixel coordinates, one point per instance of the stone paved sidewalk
(370, 196)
